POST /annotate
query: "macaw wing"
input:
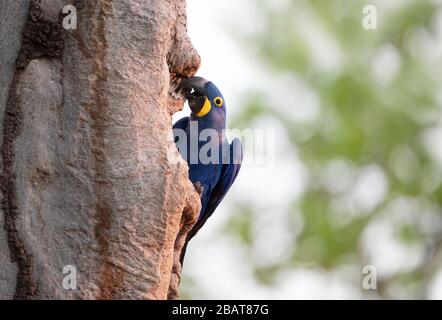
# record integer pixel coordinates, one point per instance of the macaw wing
(228, 175)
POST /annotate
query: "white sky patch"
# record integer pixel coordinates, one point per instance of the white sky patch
(293, 98)
(427, 46)
(386, 64)
(271, 191)
(359, 191)
(370, 188)
(338, 175)
(384, 250)
(325, 51)
(435, 288)
(390, 5)
(274, 235)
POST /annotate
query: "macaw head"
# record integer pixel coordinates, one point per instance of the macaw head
(204, 98)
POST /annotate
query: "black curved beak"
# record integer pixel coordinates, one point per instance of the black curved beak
(195, 92)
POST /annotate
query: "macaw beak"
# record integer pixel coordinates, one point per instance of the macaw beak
(195, 92)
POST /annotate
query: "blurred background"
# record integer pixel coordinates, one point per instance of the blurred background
(356, 170)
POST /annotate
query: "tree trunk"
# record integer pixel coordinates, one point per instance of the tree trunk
(89, 171)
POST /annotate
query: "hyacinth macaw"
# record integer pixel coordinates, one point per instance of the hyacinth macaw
(212, 180)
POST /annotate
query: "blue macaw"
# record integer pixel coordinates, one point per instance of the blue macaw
(212, 180)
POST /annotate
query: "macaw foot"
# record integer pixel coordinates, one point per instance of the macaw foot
(198, 188)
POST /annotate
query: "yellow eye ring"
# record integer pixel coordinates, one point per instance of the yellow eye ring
(218, 101)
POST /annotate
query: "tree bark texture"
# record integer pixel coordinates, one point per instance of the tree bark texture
(89, 176)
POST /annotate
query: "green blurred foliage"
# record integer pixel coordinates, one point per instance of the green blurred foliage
(362, 122)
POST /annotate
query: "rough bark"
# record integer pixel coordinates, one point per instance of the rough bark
(89, 176)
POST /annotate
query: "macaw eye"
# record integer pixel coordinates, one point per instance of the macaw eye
(218, 101)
